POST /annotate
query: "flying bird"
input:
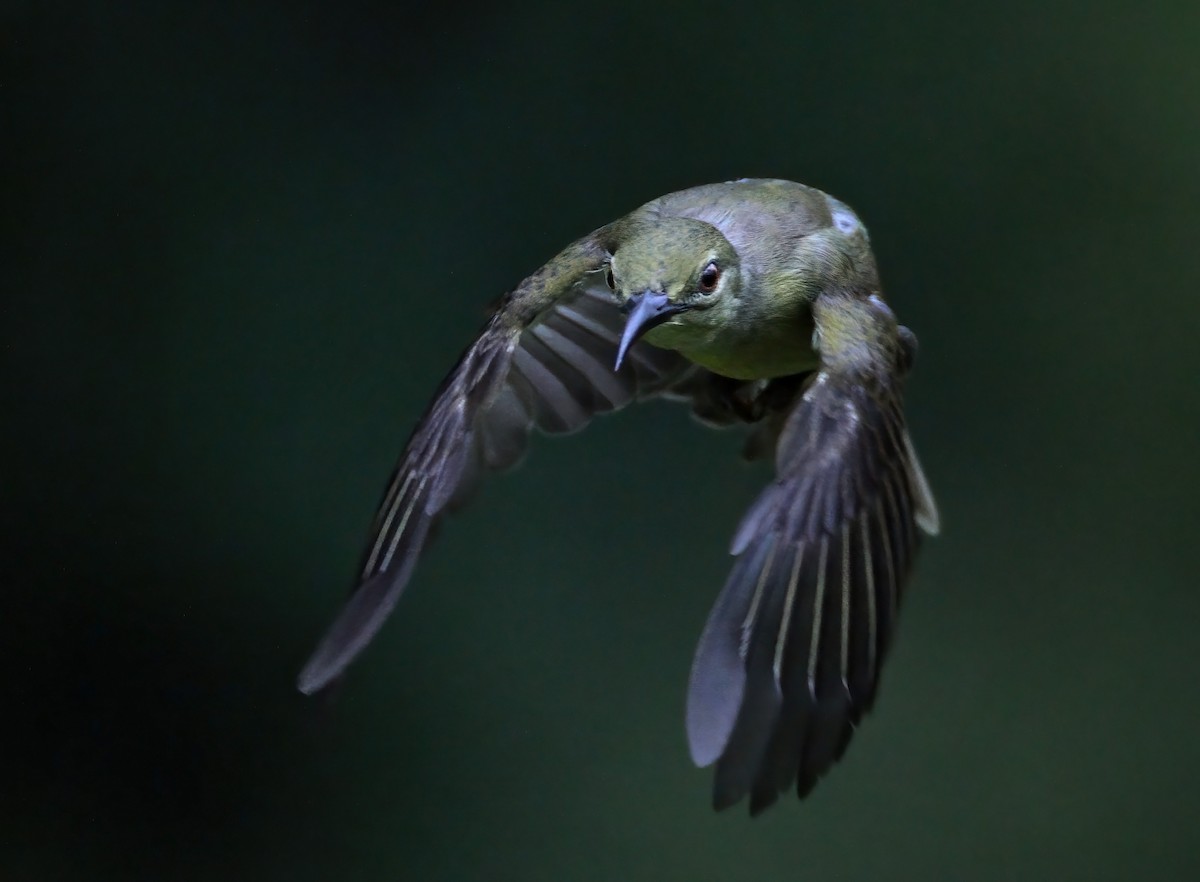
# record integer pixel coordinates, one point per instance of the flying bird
(758, 302)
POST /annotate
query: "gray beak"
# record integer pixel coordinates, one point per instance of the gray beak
(646, 310)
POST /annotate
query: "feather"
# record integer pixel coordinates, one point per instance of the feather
(554, 374)
(844, 509)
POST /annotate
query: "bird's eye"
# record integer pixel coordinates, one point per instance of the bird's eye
(709, 278)
(608, 278)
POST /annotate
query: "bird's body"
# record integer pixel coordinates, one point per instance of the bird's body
(758, 301)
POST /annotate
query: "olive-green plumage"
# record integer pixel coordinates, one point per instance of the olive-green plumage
(758, 301)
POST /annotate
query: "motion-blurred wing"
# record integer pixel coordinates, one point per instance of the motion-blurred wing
(553, 371)
(789, 659)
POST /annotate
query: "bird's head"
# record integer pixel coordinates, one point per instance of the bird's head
(674, 278)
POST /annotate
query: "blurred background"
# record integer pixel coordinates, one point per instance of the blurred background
(242, 242)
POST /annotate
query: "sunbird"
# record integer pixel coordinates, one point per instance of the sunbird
(759, 303)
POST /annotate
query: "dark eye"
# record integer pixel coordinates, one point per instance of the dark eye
(608, 277)
(709, 278)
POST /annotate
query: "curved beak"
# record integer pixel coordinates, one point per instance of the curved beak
(646, 310)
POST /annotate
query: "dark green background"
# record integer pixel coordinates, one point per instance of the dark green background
(241, 244)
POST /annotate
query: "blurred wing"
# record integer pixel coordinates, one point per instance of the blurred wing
(789, 659)
(552, 370)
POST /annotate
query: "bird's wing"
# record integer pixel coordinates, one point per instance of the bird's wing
(789, 659)
(545, 360)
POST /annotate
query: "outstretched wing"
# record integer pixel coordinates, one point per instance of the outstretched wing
(789, 659)
(545, 360)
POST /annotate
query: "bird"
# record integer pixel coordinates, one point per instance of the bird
(757, 302)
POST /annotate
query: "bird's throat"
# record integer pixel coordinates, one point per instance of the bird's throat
(777, 349)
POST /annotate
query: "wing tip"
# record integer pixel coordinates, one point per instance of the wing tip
(318, 673)
(929, 520)
(714, 698)
(707, 734)
(723, 799)
(704, 749)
